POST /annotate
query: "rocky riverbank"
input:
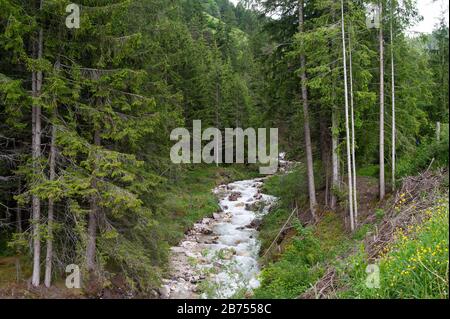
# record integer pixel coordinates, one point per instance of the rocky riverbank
(218, 257)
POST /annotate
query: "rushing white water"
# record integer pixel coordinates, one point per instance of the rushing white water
(219, 257)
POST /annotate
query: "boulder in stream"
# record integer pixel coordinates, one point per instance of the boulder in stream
(258, 196)
(234, 196)
(255, 224)
(253, 207)
(164, 292)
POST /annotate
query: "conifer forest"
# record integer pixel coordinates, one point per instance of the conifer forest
(218, 149)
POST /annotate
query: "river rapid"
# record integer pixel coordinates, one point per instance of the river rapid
(218, 258)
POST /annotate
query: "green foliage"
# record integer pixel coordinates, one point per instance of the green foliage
(115, 88)
(304, 259)
(295, 271)
(414, 266)
(362, 231)
(189, 198)
(369, 170)
(429, 152)
(292, 188)
(379, 214)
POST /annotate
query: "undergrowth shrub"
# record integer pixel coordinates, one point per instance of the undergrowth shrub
(415, 265)
(297, 269)
(418, 160)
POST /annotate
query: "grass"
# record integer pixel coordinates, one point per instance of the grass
(304, 252)
(371, 170)
(14, 269)
(415, 265)
(190, 198)
(304, 259)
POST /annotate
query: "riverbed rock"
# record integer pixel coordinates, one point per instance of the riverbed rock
(234, 196)
(253, 207)
(209, 241)
(178, 250)
(206, 221)
(202, 229)
(227, 254)
(194, 279)
(164, 292)
(255, 224)
(216, 216)
(258, 196)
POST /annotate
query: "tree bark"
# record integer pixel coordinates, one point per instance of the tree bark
(438, 131)
(217, 110)
(37, 78)
(19, 211)
(309, 157)
(352, 115)
(393, 100)
(347, 126)
(335, 183)
(49, 254)
(382, 182)
(92, 223)
(325, 150)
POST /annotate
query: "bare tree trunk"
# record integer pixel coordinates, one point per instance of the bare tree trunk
(347, 127)
(335, 183)
(382, 183)
(49, 255)
(352, 114)
(19, 211)
(37, 78)
(92, 223)
(438, 131)
(309, 157)
(394, 133)
(325, 151)
(217, 111)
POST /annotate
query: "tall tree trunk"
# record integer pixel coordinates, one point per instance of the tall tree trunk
(394, 133)
(19, 211)
(51, 204)
(438, 131)
(352, 114)
(217, 110)
(37, 78)
(93, 213)
(335, 183)
(324, 148)
(382, 183)
(347, 126)
(309, 157)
